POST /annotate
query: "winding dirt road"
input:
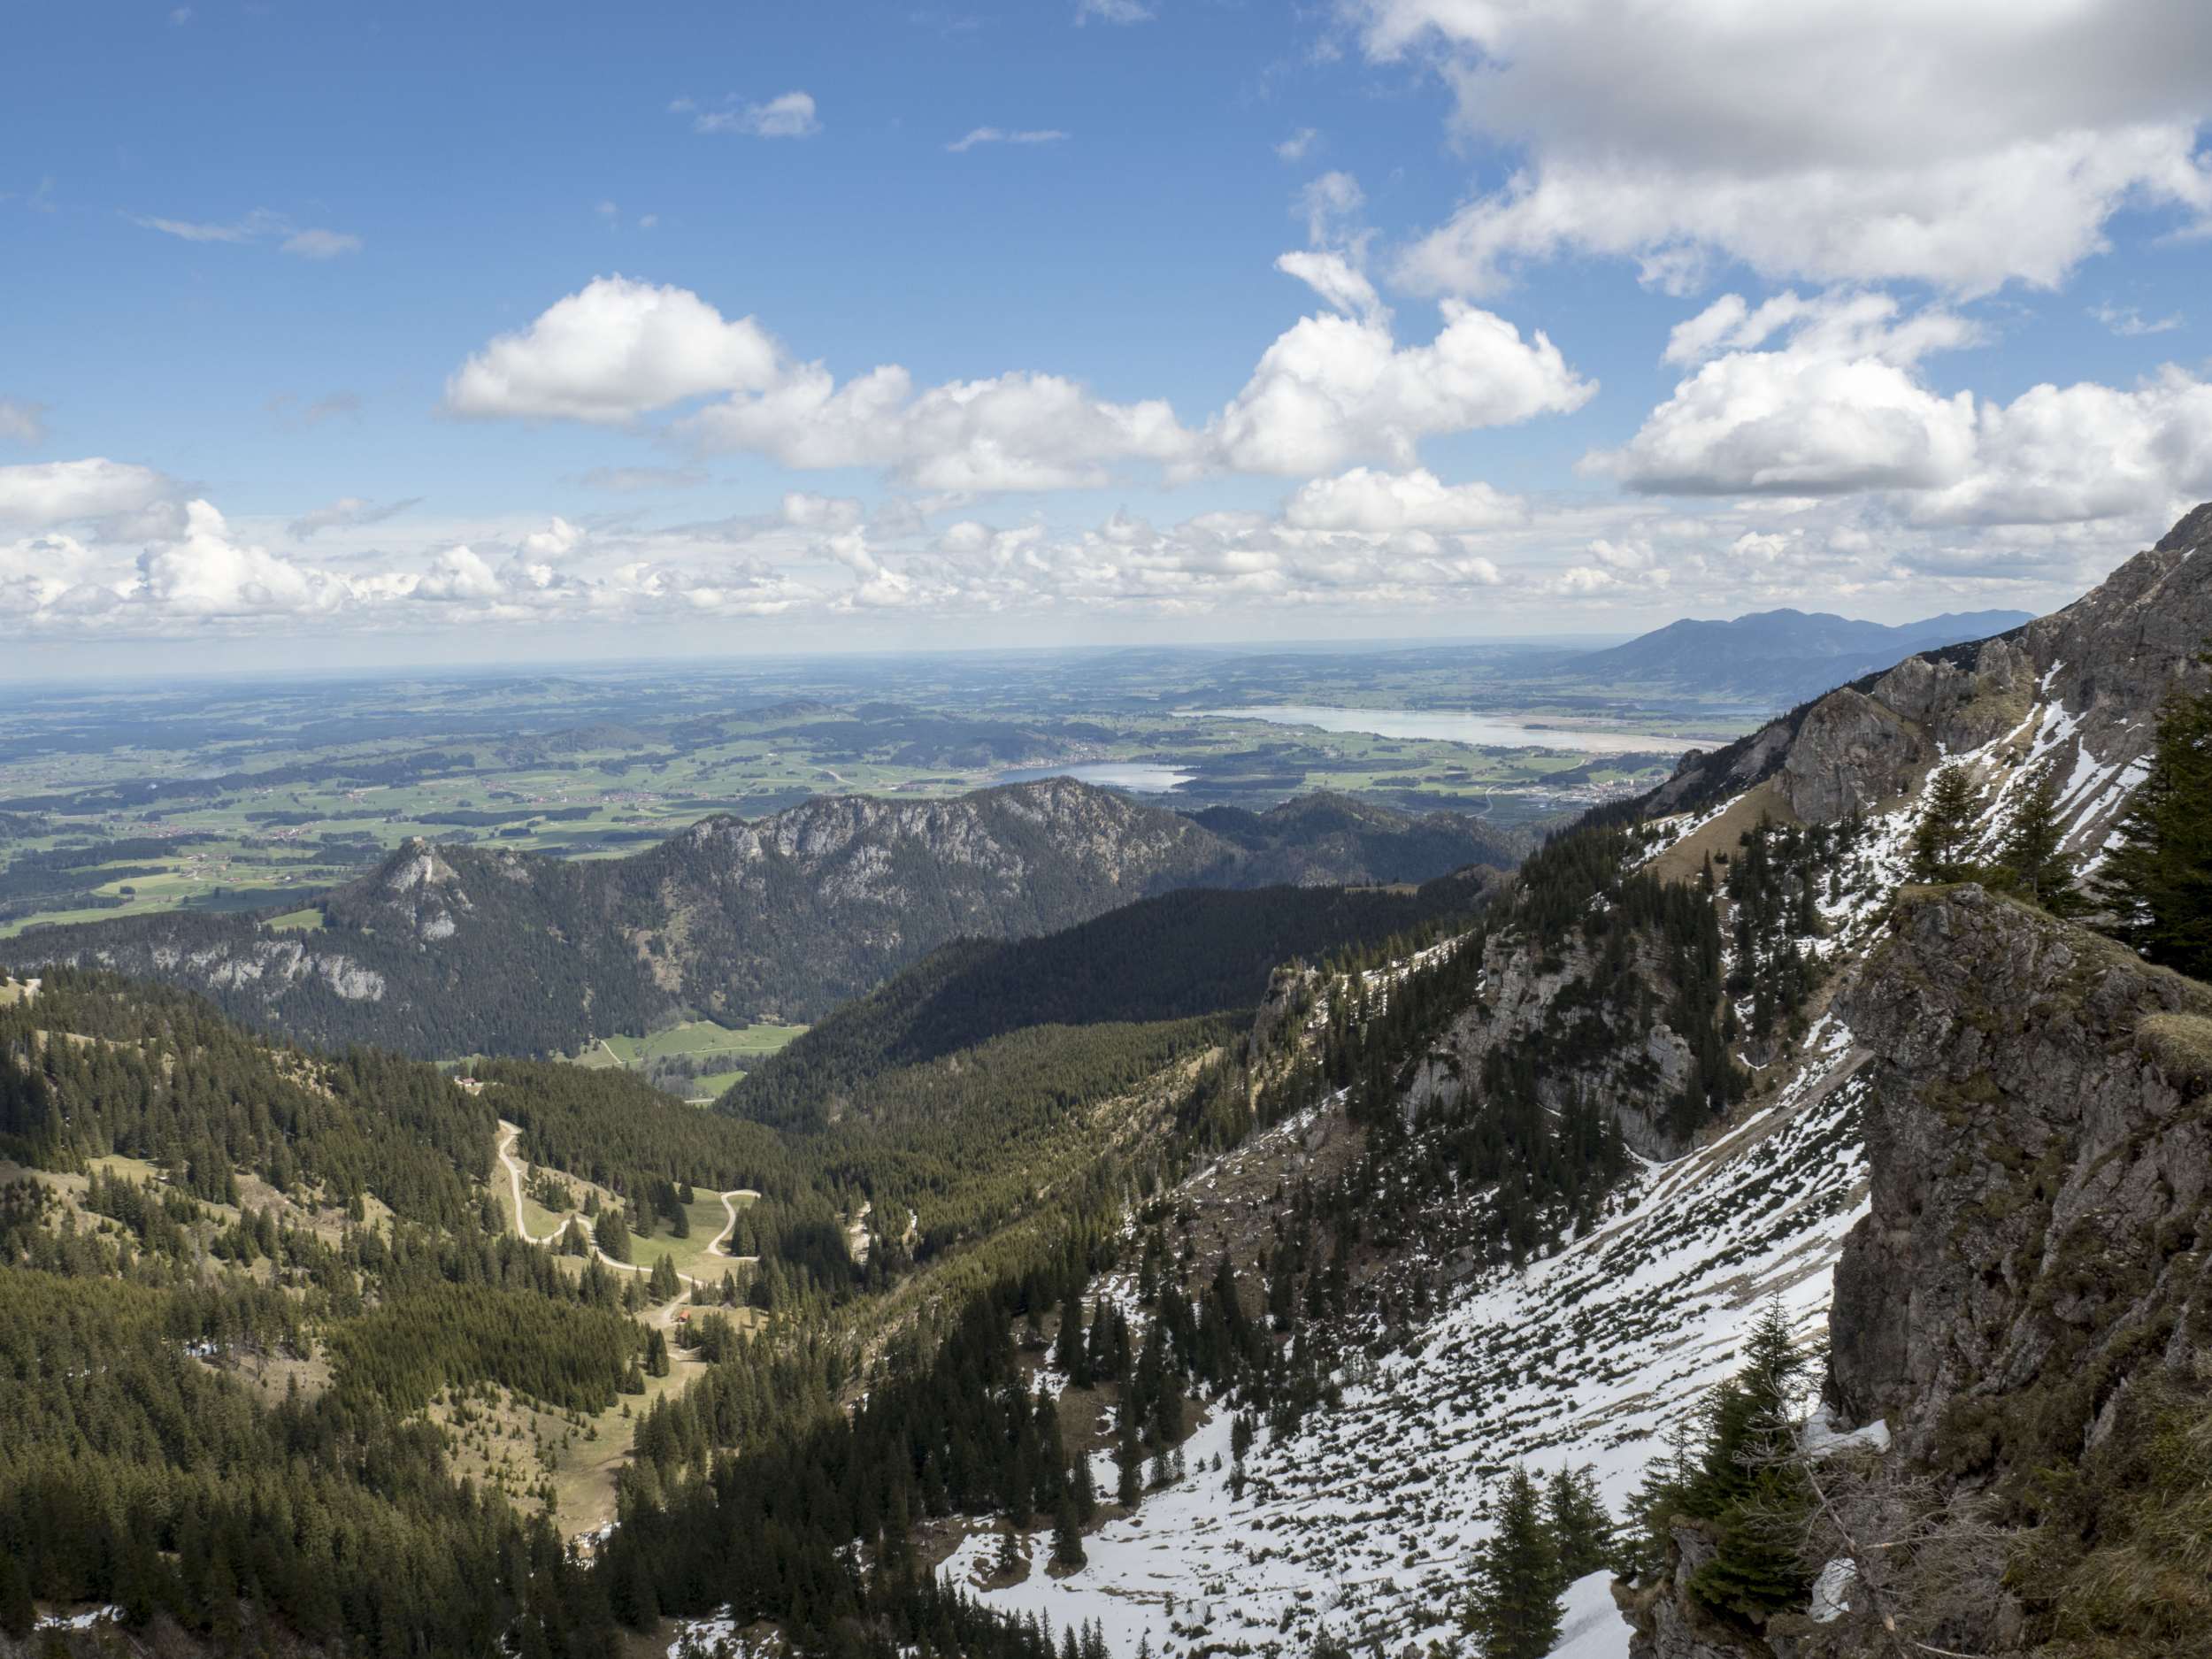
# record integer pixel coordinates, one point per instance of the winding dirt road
(508, 1133)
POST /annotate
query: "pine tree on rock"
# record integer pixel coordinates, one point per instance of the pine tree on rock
(1746, 1484)
(1945, 832)
(2031, 861)
(2158, 881)
(1514, 1610)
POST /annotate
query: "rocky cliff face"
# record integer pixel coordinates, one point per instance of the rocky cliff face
(2040, 1131)
(2029, 1294)
(1620, 1050)
(2037, 1112)
(2021, 1252)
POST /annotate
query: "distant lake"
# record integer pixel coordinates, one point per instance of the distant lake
(1485, 731)
(1108, 774)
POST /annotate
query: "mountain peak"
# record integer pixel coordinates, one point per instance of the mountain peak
(2191, 532)
(1780, 656)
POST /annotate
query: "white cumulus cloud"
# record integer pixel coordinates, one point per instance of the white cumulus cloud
(1011, 432)
(2061, 454)
(610, 352)
(1338, 388)
(1378, 502)
(1333, 389)
(1827, 396)
(43, 493)
(1962, 143)
(208, 572)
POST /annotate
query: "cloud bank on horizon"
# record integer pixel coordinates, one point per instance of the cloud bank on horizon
(1599, 315)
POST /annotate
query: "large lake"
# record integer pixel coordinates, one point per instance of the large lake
(1109, 774)
(1486, 731)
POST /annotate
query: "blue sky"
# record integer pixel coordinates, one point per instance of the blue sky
(334, 330)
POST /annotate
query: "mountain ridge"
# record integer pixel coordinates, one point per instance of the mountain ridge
(1783, 653)
(446, 950)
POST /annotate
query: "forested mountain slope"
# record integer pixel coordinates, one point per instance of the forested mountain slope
(323, 1305)
(450, 950)
(1173, 957)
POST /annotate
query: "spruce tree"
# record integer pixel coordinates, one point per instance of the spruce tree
(1514, 1610)
(1008, 1561)
(1083, 1487)
(1946, 824)
(1581, 1527)
(1068, 1349)
(2031, 861)
(1746, 1484)
(613, 1234)
(1067, 1534)
(1128, 1464)
(2158, 881)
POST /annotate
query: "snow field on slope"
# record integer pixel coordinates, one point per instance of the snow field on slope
(1363, 1522)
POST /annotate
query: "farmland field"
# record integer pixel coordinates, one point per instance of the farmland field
(213, 795)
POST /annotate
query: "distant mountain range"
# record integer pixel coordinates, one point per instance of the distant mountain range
(1778, 656)
(450, 950)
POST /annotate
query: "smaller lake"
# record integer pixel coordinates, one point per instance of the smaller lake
(1135, 776)
(1483, 730)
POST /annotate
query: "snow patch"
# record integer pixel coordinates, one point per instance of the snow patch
(1590, 1624)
